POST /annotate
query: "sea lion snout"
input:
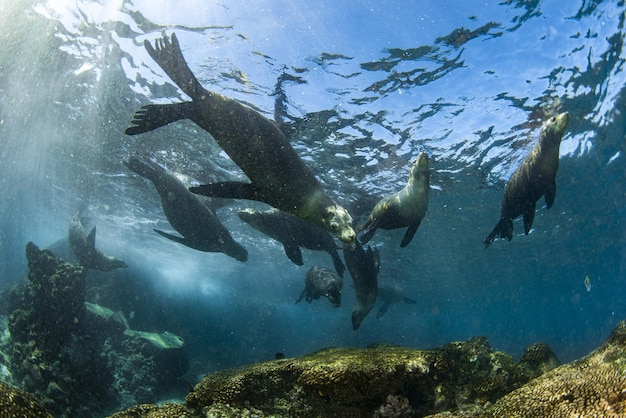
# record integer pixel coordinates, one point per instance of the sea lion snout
(340, 223)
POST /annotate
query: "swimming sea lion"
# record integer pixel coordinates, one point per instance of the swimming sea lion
(389, 295)
(404, 208)
(293, 233)
(535, 177)
(320, 281)
(84, 247)
(200, 228)
(278, 175)
(363, 267)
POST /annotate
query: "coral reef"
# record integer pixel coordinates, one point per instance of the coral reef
(81, 359)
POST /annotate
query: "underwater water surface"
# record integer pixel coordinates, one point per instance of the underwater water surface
(361, 88)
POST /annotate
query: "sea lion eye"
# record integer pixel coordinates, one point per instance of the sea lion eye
(334, 226)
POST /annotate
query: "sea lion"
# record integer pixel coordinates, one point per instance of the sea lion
(390, 295)
(320, 281)
(277, 174)
(293, 233)
(200, 228)
(535, 177)
(84, 247)
(363, 267)
(404, 208)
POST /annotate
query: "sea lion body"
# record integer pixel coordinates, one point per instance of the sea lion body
(320, 281)
(84, 247)
(293, 233)
(405, 208)
(535, 177)
(390, 295)
(199, 226)
(278, 176)
(363, 267)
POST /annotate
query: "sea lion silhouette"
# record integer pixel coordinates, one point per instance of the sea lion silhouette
(320, 281)
(84, 247)
(405, 208)
(293, 233)
(200, 228)
(535, 177)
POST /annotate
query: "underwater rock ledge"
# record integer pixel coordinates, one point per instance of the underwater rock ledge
(456, 380)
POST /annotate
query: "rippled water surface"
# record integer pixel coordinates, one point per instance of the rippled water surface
(361, 88)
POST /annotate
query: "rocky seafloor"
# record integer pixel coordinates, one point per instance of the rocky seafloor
(79, 359)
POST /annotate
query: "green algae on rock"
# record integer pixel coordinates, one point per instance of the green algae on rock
(17, 403)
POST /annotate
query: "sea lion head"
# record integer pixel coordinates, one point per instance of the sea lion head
(338, 221)
(554, 127)
(333, 293)
(420, 166)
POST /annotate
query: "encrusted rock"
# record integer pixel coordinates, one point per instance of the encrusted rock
(17, 403)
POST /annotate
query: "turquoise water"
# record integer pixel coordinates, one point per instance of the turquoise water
(361, 89)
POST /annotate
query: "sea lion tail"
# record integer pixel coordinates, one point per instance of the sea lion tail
(504, 228)
(166, 52)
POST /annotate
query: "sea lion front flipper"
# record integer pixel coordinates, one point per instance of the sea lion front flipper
(172, 237)
(529, 215)
(170, 58)
(151, 117)
(294, 253)
(409, 300)
(550, 194)
(339, 267)
(408, 236)
(230, 189)
(91, 238)
(383, 309)
(370, 228)
(301, 296)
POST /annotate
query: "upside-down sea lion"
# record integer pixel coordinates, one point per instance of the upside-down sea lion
(535, 177)
(278, 175)
(404, 208)
(293, 233)
(200, 228)
(320, 281)
(363, 267)
(84, 247)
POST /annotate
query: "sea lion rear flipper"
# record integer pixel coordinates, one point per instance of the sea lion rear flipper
(151, 117)
(294, 253)
(550, 194)
(229, 189)
(170, 58)
(504, 228)
(529, 215)
(172, 237)
(408, 236)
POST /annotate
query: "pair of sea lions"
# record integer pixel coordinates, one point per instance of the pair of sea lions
(405, 208)
(278, 176)
(199, 226)
(293, 233)
(84, 247)
(535, 177)
(320, 281)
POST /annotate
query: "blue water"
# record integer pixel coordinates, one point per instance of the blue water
(362, 87)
